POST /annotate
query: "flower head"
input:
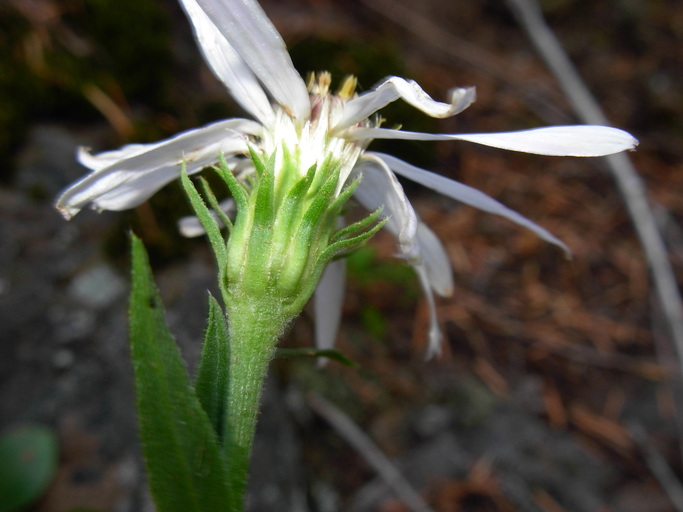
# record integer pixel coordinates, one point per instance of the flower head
(299, 129)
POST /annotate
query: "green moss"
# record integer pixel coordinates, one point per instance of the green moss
(365, 268)
(374, 322)
(133, 44)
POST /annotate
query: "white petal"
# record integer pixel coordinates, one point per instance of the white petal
(465, 194)
(435, 337)
(227, 65)
(420, 247)
(126, 182)
(106, 158)
(580, 140)
(393, 88)
(126, 189)
(438, 270)
(380, 188)
(247, 28)
(327, 302)
(191, 227)
(135, 188)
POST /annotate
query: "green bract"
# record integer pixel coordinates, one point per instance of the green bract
(286, 229)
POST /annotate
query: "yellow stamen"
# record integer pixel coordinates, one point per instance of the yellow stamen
(348, 88)
(319, 83)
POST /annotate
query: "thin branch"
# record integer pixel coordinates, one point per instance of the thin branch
(630, 186)
(659, 467)
(370, 451)
(625, 174)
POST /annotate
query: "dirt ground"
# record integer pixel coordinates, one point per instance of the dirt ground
(559, 386)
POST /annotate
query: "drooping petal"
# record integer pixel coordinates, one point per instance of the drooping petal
(247, 28)
(143, 169)
(438, 270)
(379, 188)
(227, 65)
(393, 88)
(420, 247)
(580, 140)
(327, 303)
(435, 336)
(465, 194)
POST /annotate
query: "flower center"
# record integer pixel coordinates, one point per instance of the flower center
(315, 143)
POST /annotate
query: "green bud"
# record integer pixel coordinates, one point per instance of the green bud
(288, 231)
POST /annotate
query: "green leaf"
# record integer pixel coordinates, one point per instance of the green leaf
(213, 375)
(333, 355)
(343, 197)
(261, 233)
(350, 244)
(28, 459)
(264, 207)
(235, 187)
(185, 467)
(356, 227)
(220, 214)
(213, 232)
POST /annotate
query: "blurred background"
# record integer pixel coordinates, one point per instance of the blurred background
(558, 387)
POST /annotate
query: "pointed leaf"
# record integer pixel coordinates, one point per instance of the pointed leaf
(218, 214)
(236, 188)
(212, 378)
(185, 468)
(213, 231)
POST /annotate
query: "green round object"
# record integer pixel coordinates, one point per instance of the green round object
(28, 458)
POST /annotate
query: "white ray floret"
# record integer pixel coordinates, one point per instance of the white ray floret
(245, 51)
(227, 64)
(580, 140)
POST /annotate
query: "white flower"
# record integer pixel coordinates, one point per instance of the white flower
(248, 55)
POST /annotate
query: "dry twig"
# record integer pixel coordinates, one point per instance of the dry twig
(369, 450)
(659, 467)
(625, 175)
(621, 167)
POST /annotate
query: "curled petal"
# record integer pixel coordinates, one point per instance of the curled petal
(393, 88)
(227, 65)
(379, 188)
(327, 301)
(121, 183)
(465, 194)
(249, 31)
(191, 227)
(580, 140)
